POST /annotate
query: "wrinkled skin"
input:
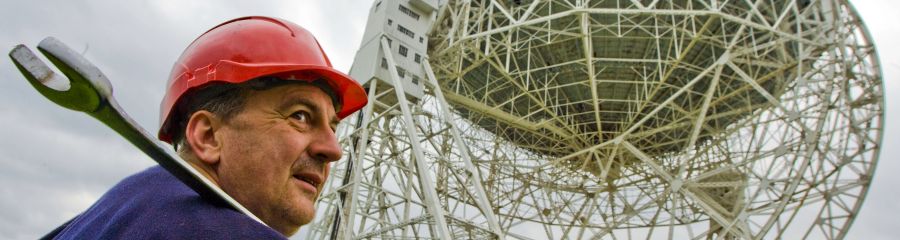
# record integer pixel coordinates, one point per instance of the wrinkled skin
(274, 156)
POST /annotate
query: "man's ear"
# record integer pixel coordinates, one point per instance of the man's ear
(200, 134)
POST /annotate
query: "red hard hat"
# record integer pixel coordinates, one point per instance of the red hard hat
(250, 47)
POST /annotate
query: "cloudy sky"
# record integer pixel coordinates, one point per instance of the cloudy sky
(54, 162)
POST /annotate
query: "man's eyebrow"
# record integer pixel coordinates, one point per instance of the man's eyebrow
(312, 107)
(289, 102)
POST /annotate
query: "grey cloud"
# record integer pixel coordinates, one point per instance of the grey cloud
(56, 162)
(877, 218)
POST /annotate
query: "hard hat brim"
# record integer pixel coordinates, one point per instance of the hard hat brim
(349, 92)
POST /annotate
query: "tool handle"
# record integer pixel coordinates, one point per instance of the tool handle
(116, 119)
(89, 91)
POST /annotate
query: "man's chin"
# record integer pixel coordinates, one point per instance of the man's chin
(305, 211)
(291, 218)
(292, 224)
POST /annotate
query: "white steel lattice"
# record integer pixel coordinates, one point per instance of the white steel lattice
(644, 119)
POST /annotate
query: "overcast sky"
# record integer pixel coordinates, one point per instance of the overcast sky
(54, 163)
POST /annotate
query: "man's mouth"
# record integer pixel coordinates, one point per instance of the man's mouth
(301, 178)
(312, 179)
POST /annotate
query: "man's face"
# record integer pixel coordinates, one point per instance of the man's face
(276, 153)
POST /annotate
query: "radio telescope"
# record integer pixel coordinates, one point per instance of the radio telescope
(616, 119)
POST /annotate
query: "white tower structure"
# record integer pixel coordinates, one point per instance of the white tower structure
(613, 119)
(405, 155)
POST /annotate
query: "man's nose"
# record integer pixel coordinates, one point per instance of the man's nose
(324, 146)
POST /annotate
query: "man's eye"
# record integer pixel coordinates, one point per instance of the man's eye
(301, 116)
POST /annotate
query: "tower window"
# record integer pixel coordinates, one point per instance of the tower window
(405, 31)
(409, 12)
(401, 72)
(403, 51)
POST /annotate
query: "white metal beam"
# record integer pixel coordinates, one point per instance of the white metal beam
(481, 198)
(424, 175)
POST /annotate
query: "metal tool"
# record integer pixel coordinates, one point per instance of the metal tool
(89, 91)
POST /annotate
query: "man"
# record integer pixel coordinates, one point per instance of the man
(252, 104)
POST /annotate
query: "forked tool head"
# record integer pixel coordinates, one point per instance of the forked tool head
(84, 88)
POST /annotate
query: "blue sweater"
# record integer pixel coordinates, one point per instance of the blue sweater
(153, 204)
